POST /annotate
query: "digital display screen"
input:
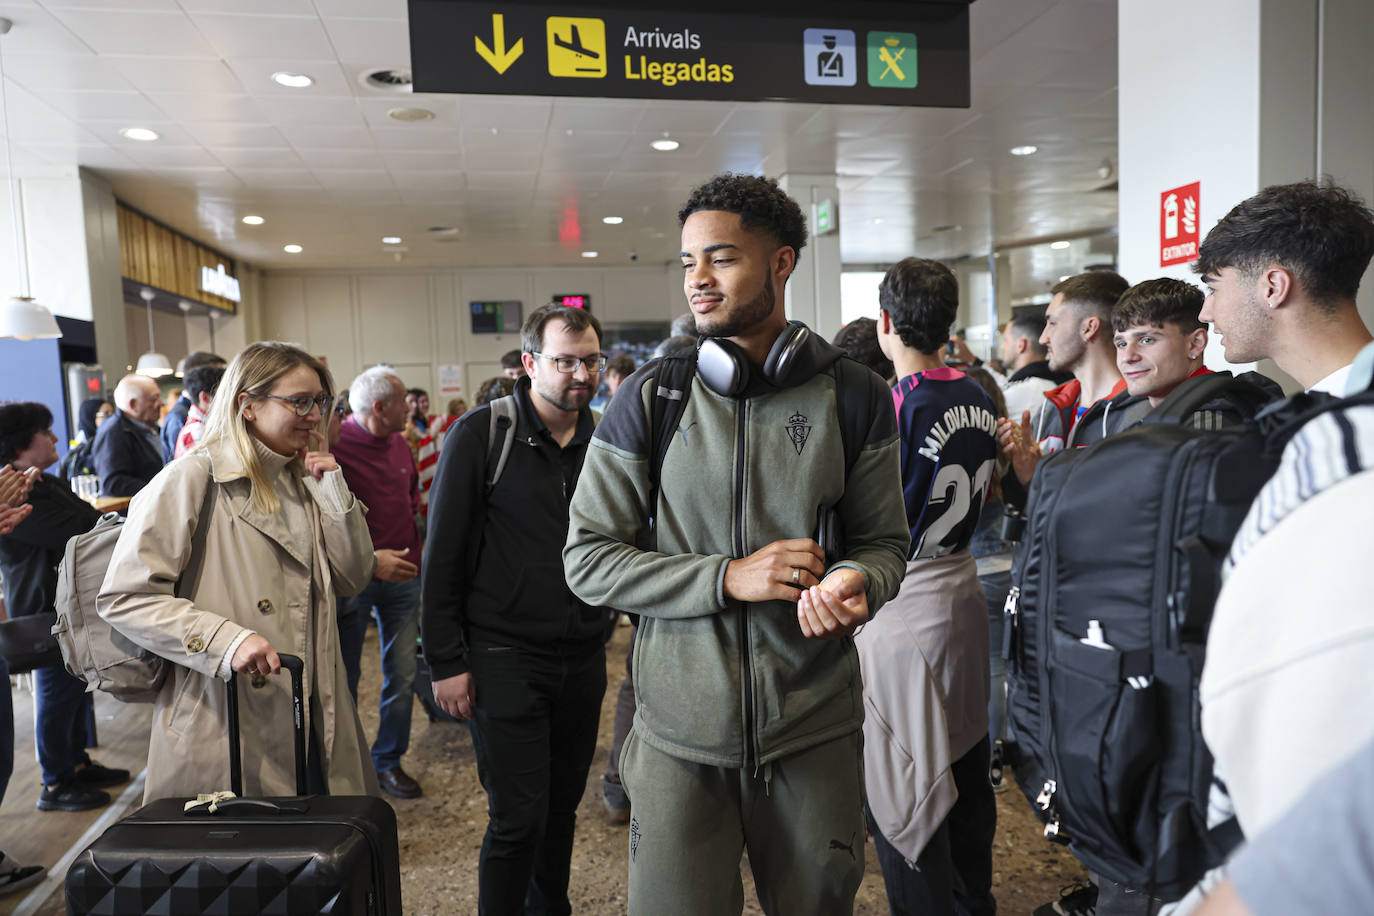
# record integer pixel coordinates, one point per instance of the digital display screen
(502, 317)
(574, 300)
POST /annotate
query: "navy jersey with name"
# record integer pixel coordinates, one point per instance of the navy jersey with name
(948, 427)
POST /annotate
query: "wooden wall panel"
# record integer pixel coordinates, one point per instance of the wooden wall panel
(154, 255)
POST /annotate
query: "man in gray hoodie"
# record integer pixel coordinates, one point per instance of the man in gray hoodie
(747, 732)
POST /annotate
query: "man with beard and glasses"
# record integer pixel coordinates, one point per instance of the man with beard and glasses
(510, 648)
(747, 733)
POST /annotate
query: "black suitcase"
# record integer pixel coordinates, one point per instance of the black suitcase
(286, 856)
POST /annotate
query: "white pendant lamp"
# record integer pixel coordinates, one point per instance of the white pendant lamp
(152, 364)
(21, 318)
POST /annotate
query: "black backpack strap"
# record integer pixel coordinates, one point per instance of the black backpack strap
(499, 438)
(852, 408)
(672, 386)
(1244, 392)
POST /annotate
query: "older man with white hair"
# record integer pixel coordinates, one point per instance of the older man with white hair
(126, 452)
(377, 464)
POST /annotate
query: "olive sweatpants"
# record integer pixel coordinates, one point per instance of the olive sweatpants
(800, 818)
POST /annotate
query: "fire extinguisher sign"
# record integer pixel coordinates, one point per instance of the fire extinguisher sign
(1178, 224)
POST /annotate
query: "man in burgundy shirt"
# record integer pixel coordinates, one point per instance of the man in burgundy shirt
(377, 464)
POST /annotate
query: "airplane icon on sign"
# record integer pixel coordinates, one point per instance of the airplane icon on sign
(574, 44)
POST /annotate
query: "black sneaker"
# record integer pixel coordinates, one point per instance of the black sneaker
(1074, 900)
(94, 776)
(16, 877)
(71, 796)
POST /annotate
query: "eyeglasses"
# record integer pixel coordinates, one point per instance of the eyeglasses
(303, 405)
(568, 364)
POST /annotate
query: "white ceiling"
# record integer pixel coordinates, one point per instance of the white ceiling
(527, 180)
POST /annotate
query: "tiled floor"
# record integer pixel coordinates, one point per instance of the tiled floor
(441, 832)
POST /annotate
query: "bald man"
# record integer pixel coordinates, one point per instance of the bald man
(127, 452)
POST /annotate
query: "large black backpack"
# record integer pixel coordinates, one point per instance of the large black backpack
(1114, 584)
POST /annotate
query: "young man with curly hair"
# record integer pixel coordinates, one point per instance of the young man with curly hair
(747, 732)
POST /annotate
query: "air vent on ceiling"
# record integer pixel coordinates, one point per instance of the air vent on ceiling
(387, 79)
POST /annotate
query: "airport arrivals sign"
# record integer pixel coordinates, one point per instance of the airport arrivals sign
(912, 53)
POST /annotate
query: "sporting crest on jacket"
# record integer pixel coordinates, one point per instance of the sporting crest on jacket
(798, 429)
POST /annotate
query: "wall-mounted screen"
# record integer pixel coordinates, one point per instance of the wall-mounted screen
(573, 300)
(496, 317)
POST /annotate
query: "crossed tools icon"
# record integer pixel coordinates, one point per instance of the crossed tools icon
(891, 59)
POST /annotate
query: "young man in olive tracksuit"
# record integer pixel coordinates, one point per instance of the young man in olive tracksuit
(747, 733)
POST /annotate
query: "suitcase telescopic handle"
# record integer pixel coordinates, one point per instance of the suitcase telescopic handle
(295, 666)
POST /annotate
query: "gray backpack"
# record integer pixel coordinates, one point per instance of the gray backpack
(92, 650)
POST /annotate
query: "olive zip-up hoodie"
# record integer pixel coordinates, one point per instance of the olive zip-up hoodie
(718, 681)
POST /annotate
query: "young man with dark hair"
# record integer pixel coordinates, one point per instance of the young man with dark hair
(859, 339)
(925, 660)
(176, 417)
(201, 384)
(512, 366)
(618, 369)
(1078, 339)
(509, 646)
(1282, 270)
(417, 401)
(747, 731)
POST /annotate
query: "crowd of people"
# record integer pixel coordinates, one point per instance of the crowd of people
(808, 537)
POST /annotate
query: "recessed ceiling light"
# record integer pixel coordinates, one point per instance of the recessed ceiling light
(665, 145)
(1060, 245)
(1027, 150)
(139, 133)
(613, 220)
(877, 220)
(292, 80)
(391, 240)
(590, 254)
(1063, 278)
(292, 249)
(410, 115)
(253, 220)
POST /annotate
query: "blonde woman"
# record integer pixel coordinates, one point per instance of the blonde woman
(282, 535)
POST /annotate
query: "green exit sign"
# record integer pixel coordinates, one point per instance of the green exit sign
(825, 217)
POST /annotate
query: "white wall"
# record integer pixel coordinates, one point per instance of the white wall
(1239, 94)
(417, 320)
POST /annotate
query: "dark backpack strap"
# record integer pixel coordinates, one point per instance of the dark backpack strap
(672, 386)
(499, 438)
(850, 385)
(1191, 395)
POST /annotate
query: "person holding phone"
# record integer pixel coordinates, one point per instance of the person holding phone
(233, 554)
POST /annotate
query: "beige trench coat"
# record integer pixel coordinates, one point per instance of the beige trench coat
(256, 575)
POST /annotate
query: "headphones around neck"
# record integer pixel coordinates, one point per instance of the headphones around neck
(725, 368)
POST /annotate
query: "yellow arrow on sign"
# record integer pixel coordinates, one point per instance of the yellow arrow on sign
(501, 58)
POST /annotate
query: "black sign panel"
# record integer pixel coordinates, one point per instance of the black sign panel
(902, 54)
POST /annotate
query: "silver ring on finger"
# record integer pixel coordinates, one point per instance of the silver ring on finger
(796, 575)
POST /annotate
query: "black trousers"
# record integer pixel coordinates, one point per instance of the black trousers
(534, 733)
(954, 872)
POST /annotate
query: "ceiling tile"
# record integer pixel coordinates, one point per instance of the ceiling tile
(173, 74)
(378, 43)
(331, 159)
(506, 112)
(131, 107)
(377, 9)
(65, 72)
(434, 139)
(246, 7)
(258, 158)
(329, 137)
(137, 32)
(235, 36)
(186, 106)
(228, 136)
(311, 111)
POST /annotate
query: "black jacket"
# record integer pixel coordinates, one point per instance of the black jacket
(30, 553)
(127, 455)
(493, 564)
(1040, 369)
